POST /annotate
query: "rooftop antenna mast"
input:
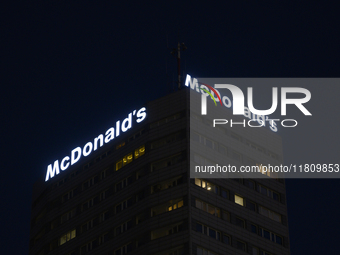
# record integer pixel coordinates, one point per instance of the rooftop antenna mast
(180, 47)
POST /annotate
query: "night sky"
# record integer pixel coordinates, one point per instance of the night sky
(70, 70)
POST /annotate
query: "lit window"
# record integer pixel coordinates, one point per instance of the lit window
(239, 200)
(206, 185)
(140, 151)
(208, 208)
(67, 237)
(270, 214)
(119, 165)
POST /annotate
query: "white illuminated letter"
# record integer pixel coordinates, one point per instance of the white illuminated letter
(110, 134)
(247, 112)
(101, 139)
(297, 101)
(52, 171)
(86, 151)
(238, 97)
(141, 115)
(226, 101)
(262, 112)
(193, 83)
(62, 164)
(127, 120)
(73, 152)
(117, 128)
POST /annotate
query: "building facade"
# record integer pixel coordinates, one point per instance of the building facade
(135, 196)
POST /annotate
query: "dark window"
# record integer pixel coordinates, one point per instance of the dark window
(240, 245)
(254, 228)
(249, 183)
(199, 227)
(251, 206)
(239, 222)
(276, 196)
(226, 239)
(212, 233)
(224, 194)
(279, 240)
(266, 234)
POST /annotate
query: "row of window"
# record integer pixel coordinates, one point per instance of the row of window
(165, 120)
(238, 199)
(238, 137)
(247, 182)
(127, 159)
(171, 205)
(130, 157)
(213, 210)
(222, 237)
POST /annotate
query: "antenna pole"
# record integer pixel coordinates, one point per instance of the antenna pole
(180, 47)
(179, 64)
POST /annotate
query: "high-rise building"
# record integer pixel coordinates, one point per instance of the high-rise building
(134, 195)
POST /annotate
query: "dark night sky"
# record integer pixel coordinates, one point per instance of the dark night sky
(69, 70)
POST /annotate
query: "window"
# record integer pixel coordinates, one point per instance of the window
(251, 205)
(165, 120)
(87, 226)
(226, 239)
(166, 140)
(103, 174)
(67, 216)
(236, 137)
(239, 200)
(271, 236)
(208, 208)
(124, 183)
(235, 155)
(208, 231)
(87, 184)
(123, 227)
(67, 196)
(202, 251)
(253, 228)
(89, 246)
(174, 251)
(240, 222)
(264, 253)
(222, 149)
(270, 214)
(124, 249)
(255, 251)
(120, 145)
(206, 185)
(225, 194)
(167, 162)
(89, 203)
(249, 183)
(104, 216)
(268, 192)
(226, 216)
(123, 205)
(241, 245)
(129, 157)
(167, 207)
(168, 230)
(67, 237)
(140, 151)
(167, 184)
